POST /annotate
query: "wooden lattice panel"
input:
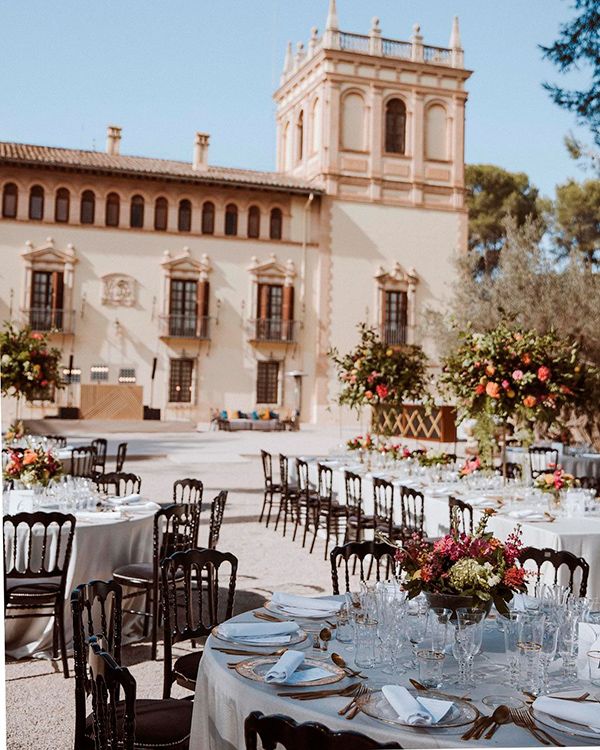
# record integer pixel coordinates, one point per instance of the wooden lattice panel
(112, 402)
(415, 421)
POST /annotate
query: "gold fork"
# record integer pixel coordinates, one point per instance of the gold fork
(359, 703)
(523, 717)
(357, 693)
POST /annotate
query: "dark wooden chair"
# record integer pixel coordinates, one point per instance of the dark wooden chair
(37, 552)
(542, 460)
(188, 491)
(82, 462)
(118, 483)
(289, 494)
(590, 483)
(121, 722)
(193, 604)
(277, 730)
(461, 515)
(174, 530)
(217, 511)
(271, 488)
(60, 441)
(557, 559)
(412, 512)
(331, 511)
(357, 522)
(121, 456)
(383, 507)
(306, 500)
(100, 446)
(377, 554)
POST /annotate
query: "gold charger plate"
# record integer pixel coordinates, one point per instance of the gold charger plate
(295, 638)
(461, 713)
(257, 667)
(279, 610)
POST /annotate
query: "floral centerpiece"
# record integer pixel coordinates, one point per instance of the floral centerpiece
(464, 570)
(360, 443)
(425, 458)
(33, 466)
(15, 431)
(470, 466)
(374, 373)
(554, 482)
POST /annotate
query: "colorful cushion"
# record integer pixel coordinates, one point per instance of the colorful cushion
(233, 414)
(254, 415)
(223, 414)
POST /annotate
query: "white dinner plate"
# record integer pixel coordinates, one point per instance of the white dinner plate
(459, 715)
(298, 637)
(281, 610)
(257, 667)
(569, 727)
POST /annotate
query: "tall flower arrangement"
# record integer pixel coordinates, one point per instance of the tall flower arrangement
(374, 373)
(33, 466)
(29, 365)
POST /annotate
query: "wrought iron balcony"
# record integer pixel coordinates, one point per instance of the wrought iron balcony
(47, 319)
(185, 327)
(393, 334)
(273, 330)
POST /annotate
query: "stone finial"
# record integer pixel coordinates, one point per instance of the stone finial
(375, 27)
(289, 61)
(186, 251)
(113, 140)
(416, 35)
(313, 41)
(332, 19)
(200, 160)
(375, 44)
(299, 55)
(417, 43)
(455, 35)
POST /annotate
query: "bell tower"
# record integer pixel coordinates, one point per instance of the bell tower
(373, 118)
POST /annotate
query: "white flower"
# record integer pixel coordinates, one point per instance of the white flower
(5, 359)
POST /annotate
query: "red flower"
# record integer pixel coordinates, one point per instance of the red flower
(543, 373)
(382, 391)
(37, 336)
(514, 577)
(479, 389)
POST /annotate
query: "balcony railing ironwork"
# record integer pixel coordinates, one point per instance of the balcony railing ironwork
(47, 319)
(273, 330)
(185, 326)
(393, 334)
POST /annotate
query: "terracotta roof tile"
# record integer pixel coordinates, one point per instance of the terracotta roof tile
(24, 153)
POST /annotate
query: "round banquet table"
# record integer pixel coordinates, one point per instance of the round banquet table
(224, 698)
(102, 542)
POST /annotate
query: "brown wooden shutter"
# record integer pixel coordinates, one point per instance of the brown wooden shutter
(382, 309)
(58, 296)
(288, 303)
(202, 304)
(263, 301)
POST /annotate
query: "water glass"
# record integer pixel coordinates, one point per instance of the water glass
(345, 629)
(511, 625)
(365, 642)
(463, 649)
(530, 668)
(438, 626)
(431, 667)
(594, 665)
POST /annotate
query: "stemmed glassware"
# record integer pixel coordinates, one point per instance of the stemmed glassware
(464, 647)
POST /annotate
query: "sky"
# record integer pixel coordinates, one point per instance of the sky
(163, 70)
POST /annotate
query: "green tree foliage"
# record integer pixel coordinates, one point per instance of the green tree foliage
(578, 46)
(577, 220)
(493, 194)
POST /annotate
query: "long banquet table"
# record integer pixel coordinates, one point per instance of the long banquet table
(101, 543)
(224, 698)
(581, 535)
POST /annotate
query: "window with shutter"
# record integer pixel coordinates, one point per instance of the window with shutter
(180, 380)
(267, 382)
(183, 308)
(395, 317)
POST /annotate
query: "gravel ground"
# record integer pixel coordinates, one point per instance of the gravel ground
(40, 702)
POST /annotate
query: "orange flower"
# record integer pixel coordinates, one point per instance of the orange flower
(490, 370)
(492, 389)
(29, 457)
(526, 359)
(479, 389)
(530, 401)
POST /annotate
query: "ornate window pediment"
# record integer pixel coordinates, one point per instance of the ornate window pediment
(397, 278)
(272, 271)
(185, 267)
(47, 257)
(119, 289)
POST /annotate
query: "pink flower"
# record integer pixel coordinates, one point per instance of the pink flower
(382, 391)
(518, 375)
(543, 373)
(505, 384)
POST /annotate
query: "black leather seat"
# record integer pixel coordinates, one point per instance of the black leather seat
(185, 668)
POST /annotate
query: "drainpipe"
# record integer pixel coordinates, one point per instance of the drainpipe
(309, 200)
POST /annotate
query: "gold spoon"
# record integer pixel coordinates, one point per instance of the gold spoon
(325, 636)
(340, 662)
(500, 716)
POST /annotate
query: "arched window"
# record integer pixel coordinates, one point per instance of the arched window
(300, 136)
(314, 134)
(161, 212)
(353, 122)
(113, 210)
(10, 196)
(136, 219)
(435, 133)
(276, 224)
(62, 205)
(36, 203)
(395, 127)
(231, 219)
(184, 216)
(254, 221)
(88, 207)
(208, 218)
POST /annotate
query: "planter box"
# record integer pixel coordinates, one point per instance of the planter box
(413, 421)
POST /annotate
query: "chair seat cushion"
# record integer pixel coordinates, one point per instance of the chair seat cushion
(159, 723)
(142, 572)
(44, 591)
(187, 665)
(366, 522)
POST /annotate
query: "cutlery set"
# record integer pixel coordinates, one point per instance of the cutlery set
(505, 715)
(351, 709)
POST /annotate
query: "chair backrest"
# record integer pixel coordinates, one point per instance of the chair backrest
(412, 511)
(302, 476)
(513, 470)
(217, 511)
(542, 459)
(113, 720)
(118, 483)
(377, 554)
(188, 491)
(325, 484)
(82, 461)
(278, 730)
(590, 483)
(100, 445)
(267, 464)
(97, 611)
(193, 603)
(121, 455)
(284, 473)
(461, 515)
(60, 441)
(353, 484)
(383, 503)
(175, 528)
(557, 559)
(38, 545)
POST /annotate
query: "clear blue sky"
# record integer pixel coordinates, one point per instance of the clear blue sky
(163, 70)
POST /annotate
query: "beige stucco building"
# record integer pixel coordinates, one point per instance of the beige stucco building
(207, 286)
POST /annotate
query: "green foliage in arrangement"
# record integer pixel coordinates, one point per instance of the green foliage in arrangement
(30, 367)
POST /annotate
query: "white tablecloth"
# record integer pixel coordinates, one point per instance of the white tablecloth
(223, 700)
(101, 543)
